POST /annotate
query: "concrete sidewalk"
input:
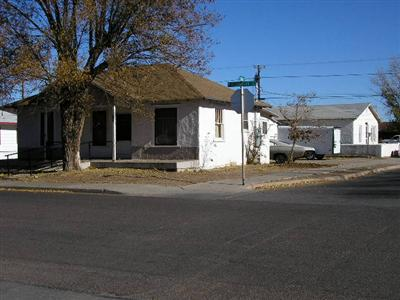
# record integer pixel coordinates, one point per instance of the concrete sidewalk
(344, 170)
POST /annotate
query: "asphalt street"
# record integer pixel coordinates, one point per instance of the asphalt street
(336, 241)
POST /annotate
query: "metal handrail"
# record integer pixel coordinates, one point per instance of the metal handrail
(44, 149)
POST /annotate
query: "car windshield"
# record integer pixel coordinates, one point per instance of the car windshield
(279, 143)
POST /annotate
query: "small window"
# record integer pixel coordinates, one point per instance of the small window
(245, 121)
(219, 126)
(360, 134)
(265, 127)
(165, 126)
(124, 127)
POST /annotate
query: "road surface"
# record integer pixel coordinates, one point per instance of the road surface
(337, 241)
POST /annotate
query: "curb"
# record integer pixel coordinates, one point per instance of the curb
(320, 180)
(59, 190)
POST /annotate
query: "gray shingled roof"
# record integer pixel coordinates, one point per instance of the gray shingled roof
(330, 112)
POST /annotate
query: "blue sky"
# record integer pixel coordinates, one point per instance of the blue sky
(273, 33)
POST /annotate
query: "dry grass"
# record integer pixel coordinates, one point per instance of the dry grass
(141, 176)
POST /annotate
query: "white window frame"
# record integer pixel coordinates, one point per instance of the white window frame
(373, 134)
(265, 127)
(219, 124)
(245, 121)
(360, 135)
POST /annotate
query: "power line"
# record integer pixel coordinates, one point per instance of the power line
(325, 96)
(346, 61)
(327, 75)
(338, 95)
(319, 76)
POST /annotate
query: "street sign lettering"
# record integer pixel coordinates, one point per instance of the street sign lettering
(241, 83)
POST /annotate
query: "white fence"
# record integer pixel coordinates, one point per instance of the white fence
(378, 150)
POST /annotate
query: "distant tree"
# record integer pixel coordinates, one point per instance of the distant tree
(58, 47)
(294, 115)
(388, 83)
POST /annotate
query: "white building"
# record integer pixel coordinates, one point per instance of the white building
(171, 115)
(358, 122)
(8, 134)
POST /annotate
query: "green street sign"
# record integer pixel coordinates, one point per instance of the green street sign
(241, 83)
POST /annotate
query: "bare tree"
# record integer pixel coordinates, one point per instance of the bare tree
(294, 115)
(59, 47)
(389, 86)
(254, 145)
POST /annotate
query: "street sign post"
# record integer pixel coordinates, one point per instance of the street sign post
(241, 83)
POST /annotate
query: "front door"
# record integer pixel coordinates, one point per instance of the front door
(124, 135)
(99, 127)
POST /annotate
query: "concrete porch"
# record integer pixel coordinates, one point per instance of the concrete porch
(167, 165)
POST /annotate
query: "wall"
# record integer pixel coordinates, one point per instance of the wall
(378, 150)
(8, 141)
(322, 138)
(346, 128)
(373, 125)
(143, 145)
(218, 152)
(228, 150)
(272, 128)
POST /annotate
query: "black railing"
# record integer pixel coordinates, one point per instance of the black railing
(45, 153)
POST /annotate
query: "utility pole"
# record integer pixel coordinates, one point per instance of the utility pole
(257, 79)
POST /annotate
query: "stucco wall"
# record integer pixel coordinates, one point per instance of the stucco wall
(218, 152)
(346, 128)
(359, 124)
(378, 150)
(215, 152)
(8, 141)
(143, 144)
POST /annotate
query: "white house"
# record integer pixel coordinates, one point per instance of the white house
(358, 122)
(8, 134)
(170, 114)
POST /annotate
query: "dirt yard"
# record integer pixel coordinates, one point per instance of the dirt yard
(140, 176)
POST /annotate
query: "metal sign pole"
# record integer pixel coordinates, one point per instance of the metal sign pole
(242, 128)
(241, 83)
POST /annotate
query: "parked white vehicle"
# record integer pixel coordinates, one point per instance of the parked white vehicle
(325, 139)
(393, 140)
(279, 151)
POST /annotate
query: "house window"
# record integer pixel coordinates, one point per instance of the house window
(245, 121)
(360, 134)
(265, 127)
(124, 127)
(219, 125)
(49, 129)
(373, 134)
(99, 128)
(165, 126)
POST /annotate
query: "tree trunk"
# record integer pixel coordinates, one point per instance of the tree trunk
(73, 120)
(291, 153)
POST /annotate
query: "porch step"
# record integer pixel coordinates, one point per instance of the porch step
(167, 165)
